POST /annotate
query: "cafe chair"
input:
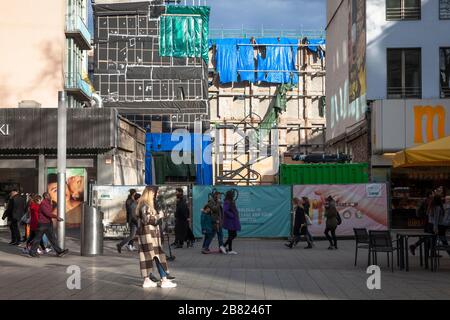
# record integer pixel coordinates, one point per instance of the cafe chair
(381, 241)
(435, 254)
(361, 241)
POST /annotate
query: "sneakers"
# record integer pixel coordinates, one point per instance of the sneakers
(169, 277)
(25, 251)
(205, 251)
(309, 247)
(119, 248)
(289, 245)
(62, 253)
(232, 252)
(412, 249)
(39, 251)
(166, 284)
(47, 250)
(131, 248)
(223, 250)
(330, 248)
(149, 283)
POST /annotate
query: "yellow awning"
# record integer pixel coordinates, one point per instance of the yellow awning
(435, 153)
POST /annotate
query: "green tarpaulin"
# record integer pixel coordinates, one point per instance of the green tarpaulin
(184, 32)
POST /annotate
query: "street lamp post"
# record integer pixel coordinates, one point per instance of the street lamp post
(61, 166)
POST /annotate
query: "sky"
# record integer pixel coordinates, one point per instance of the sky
(272, 14)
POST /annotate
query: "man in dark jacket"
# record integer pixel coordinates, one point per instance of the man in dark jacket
(217, 214)
(132, 222)
(45, 226)
(17, 212)
(181, 219)
(8, 215)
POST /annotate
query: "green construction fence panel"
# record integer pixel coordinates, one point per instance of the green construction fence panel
(302, 174)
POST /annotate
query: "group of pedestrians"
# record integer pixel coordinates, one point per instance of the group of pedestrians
(36, 214)
(215, 218)
(436, 210)
(302, 220)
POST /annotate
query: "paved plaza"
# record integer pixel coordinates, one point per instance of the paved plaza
(264, 269)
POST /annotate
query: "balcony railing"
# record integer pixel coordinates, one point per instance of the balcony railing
(76, 28)
(75, 85)
(404, 92)
(404, 13)
(445, 92)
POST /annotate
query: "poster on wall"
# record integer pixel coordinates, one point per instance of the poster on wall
(111, 201)
(357, 49)
(359, 205)
(76, 180)
(264, 211)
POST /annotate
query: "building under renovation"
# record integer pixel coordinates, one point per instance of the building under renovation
(269, 87)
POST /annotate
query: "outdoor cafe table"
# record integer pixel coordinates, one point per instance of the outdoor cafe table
(403, 246)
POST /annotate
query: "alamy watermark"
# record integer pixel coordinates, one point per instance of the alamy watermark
(374, 280)
(227, 145)
(74, 280)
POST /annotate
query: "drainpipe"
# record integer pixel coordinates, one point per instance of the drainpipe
(97, 101)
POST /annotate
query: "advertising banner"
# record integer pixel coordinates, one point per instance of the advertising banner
(111, 201)
(75, 193)
(265, 212)
(359, 205)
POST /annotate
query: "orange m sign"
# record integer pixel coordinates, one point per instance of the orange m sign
(430, 113)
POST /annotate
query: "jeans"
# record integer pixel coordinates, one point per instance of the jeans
(15, 231)
(162, 272)
(220, 236)
(209, 236)
(44, 229)
(332, 239)
(31, 238)
(129, 239)
(232, 234)
(308, 236)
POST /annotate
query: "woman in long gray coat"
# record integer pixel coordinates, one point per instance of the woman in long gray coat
(331, 214)
(150, 247)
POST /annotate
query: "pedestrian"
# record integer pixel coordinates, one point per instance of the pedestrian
(34, 223)
(25, 221)
(217, 213)
(150, 244)
(230, 220)
(425, 211)
(181, 219)
(307, 206)
(8, 216)
(331, 215)
(45, 227)
(18, 211)
(445, 224)
(207, 223)
(190, 238)
(440, 219)
(300, 226)
(131, 205)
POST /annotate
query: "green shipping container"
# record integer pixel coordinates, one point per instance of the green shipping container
(324, 173)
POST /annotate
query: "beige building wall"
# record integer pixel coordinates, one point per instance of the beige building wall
(33, 51)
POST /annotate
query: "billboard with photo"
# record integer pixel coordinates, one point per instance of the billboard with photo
(76, 180)
(359, 205)
(264, 211)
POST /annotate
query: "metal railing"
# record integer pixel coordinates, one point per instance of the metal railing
(404, 92)
(75, 24)
(445, 92)
(74, 81)
(403, 13)
(265, 33)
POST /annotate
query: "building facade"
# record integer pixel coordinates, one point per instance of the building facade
(46, 54)
(388, 86)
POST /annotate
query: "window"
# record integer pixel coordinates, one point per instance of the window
(444, 9)
(404, 73)
(445, 72)
(403, 10)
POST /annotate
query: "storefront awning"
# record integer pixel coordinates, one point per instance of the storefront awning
(436, 153)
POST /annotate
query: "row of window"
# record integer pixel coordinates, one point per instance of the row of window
(404, 78)
(412, 10)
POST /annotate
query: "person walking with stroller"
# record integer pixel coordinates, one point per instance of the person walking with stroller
(332, 221)
(150, 244)
(230, 220)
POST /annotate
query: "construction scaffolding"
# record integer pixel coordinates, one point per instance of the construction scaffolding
(159, 93)
(285, 120)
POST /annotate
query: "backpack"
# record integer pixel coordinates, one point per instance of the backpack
(338, 218)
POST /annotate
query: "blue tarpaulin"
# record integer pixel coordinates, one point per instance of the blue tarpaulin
(281, 58)
(197, 143)
(227, 60)
(246, 61)
(314, 46)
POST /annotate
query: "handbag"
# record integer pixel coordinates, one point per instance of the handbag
(308, 220)
(25, 219)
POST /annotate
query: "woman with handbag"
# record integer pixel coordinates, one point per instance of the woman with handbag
(33, 208)
(150, 243)
(300, 226)
(307, 206)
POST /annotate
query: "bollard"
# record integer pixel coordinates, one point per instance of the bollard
(91, 231)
